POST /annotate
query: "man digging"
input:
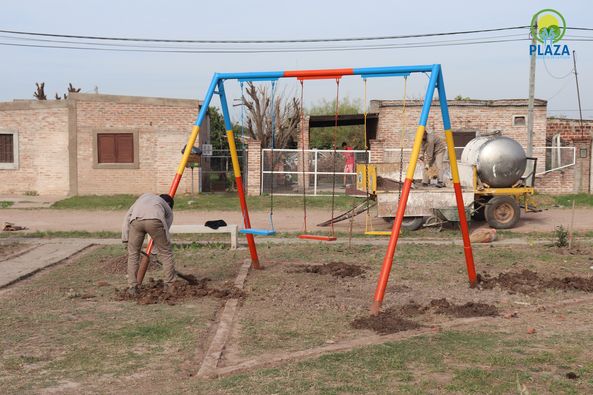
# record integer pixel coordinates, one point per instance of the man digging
(150, 214)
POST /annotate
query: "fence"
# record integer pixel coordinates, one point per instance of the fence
(217, 171)
(285, 174)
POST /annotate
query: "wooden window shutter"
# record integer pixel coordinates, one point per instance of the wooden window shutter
(6, 148)
(124, 148)
(106, 148)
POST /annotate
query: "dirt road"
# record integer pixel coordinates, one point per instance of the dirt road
(285, 220)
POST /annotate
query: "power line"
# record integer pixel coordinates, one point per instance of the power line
(269, 50)
(366, 46)
(310, 40)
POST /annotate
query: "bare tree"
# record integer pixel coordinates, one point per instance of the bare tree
(257, 100)
(39, 94)
(71, 89)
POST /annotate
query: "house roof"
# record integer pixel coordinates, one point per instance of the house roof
(468, 102)
(97, 97)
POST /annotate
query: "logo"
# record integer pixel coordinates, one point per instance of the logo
(548, 27)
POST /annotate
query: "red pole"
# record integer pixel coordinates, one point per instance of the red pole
(388, 260)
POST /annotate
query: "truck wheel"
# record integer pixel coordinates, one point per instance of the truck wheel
(412, 223)
(502, 212)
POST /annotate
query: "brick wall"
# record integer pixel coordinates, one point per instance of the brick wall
(556, 182)
(42, 129)
(572, 134)
(163, 126)
(479, 115)
(254, 156)
(57, 151)
(569, 129)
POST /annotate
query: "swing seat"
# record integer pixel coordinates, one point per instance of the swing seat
(258, 232)
(378, 233)
(318, 237)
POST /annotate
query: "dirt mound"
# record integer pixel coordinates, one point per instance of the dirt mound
(389, 321)
(394, 319)
(528, 282)
(336, 269)
(119, 264)
(525, 282)
(469, 309)
(572, 283)
(154, 292)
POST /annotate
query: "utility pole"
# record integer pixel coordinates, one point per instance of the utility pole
(574, 58)
(531, 97)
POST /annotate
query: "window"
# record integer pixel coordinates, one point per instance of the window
(8, 150)
(519, 120)
(115, 149)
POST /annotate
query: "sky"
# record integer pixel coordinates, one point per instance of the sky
(480, 71)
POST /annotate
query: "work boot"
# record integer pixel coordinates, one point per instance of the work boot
(425, 184)
(440, 184)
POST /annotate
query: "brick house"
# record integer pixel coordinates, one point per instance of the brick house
(94, 144)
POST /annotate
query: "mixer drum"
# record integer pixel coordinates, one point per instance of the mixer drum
(500, 160)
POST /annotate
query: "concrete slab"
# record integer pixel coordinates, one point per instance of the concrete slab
(47, 254)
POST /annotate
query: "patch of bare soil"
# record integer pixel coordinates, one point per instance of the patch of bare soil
(385, 323)
(154, 292)
(336, 269)
(528, 282)
(119, 264)
(395, 319)
(469, 309)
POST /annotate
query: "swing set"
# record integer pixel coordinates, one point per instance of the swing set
(436, 82)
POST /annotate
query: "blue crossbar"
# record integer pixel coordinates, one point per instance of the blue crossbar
(258, 232)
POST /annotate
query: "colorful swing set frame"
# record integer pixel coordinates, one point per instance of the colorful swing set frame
(436, 82)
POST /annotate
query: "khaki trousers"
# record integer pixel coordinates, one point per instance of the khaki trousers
(138, 230)
(438, 162)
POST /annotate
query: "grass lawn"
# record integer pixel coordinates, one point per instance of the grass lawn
(205, 201)
(63, 330)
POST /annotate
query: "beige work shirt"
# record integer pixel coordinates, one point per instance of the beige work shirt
(148, 206)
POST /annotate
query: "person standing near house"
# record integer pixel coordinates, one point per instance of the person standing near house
(152, 214)
(433, 154)
(349, 160)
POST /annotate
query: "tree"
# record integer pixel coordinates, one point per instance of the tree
(323, 138)
(217, 129)
(39, 94)
(257, 101)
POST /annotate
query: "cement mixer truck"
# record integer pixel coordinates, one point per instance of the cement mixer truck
(496, 176)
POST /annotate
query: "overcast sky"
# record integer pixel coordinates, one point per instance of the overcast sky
(483, 71)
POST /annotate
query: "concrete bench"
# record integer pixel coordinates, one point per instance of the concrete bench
(231, 229)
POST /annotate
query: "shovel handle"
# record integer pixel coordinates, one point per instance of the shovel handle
(144, 263)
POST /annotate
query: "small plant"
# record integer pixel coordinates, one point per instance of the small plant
(5, 203)
(31, 193)
(561, 236)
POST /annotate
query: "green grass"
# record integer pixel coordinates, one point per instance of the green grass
(450, 362)
(73, 234)
(5, 203)
(205, 201)
(580, 199)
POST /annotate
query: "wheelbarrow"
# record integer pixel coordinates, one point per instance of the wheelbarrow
(446, 215)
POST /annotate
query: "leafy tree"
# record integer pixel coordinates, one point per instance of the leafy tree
(323, 138)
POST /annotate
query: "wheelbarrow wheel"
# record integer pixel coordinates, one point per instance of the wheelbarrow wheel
(433, 224)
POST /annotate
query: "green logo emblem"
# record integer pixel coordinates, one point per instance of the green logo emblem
(548, 26)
